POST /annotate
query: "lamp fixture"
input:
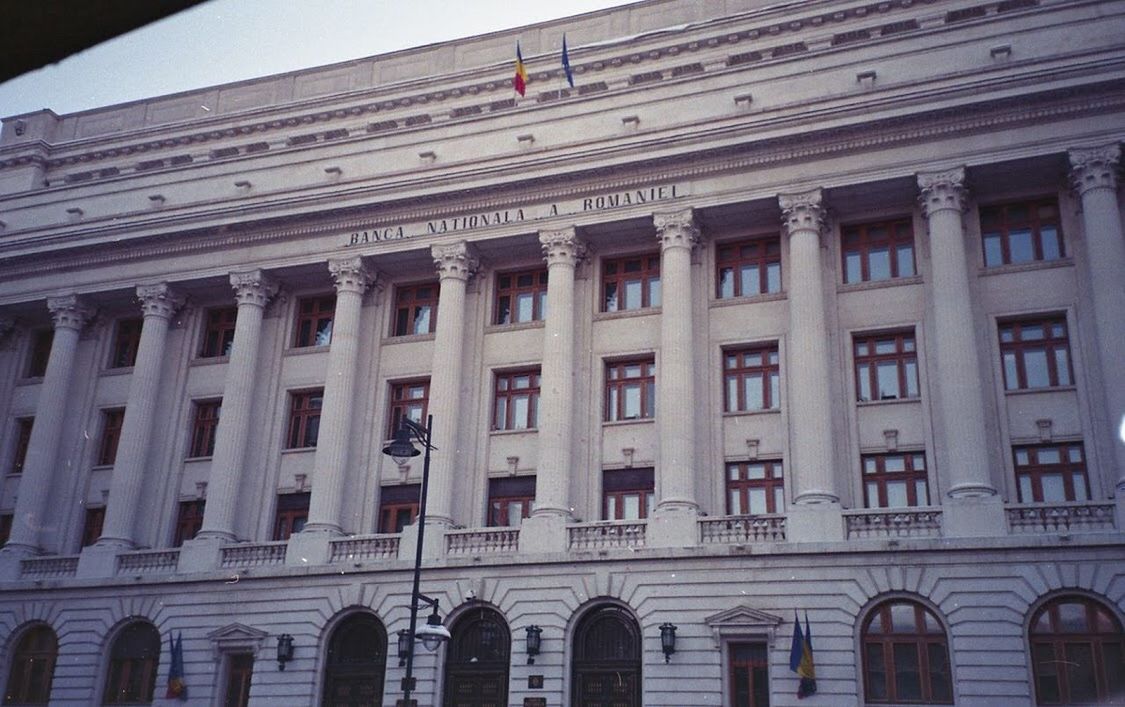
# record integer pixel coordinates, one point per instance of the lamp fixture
(534, 640)
(404, 646)
(668, 640)
(284, 650)
(433, 634)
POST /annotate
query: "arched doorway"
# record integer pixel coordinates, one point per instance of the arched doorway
(607, 660)
(356, 663)
(476, 664)
(33, 667)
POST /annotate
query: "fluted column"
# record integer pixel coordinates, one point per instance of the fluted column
(562, 250)
(455, 263)
(70, 315)
(253, 290)
(331, 462)
(808, 376)
(158, 303)
(1094, 176)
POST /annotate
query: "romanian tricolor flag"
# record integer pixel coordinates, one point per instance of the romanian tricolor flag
(519, 81)
(176, 687)
(801, 658)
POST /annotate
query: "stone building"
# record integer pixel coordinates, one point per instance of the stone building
(785, 309)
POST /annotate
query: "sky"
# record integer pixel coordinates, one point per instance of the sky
(221, 41)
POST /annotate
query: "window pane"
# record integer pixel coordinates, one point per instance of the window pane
(525, 305)
(1050, 238)
(632, 401)
(1020, 246)
(1062, 365)
(778, 499)
(773, 277)
(610, 297)
(863, 376)
(650, 399)
(921, 493)
(654, 291)
(1049, 455)
(876, 677)
(852, 265)
(612, 404)
(726, 282)
(1035, 368)
(751, 280)
(1079, 481)
(501, 413)
(735, 502)
(894, 463)
(755, 471)
(1026, 493)
(732, 393)
(872, 492)
(908, 683)
(752, 388)
(1053, 488)
(775, 391)
(992, 253)
(896, 494)
(632, 507)
(887, 374)
(324, 332)
(632, 294)
(1080, 672)
(1047, 681)
(520, 409)
(879, 263)
(911, 379)
(940, 688)
(905, 260)
(1072, 617)
(421, 320)
(757, 498)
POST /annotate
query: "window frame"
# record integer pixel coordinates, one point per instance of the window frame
(395, 499)
(189, 520)
(406, 310)
(23, 431)
(865, 243)
(773, 481)
(649, 274)
(537, 290)
(112, 421)
(922, 641)
(880, 477)
(1018, 347)
(769, 371)
(292, 509)
(503, 493)
(21, 688)
(503, 391)
(731, 664)
(1034, 471)
(614, 389)
(204, 427)
(302, 414)
(1004, 228)
(729, 255)
(1058, 640)
(219, 324)
(620, 484)
(126, 341)
(902, 357)
(316, 323)
(399, 406)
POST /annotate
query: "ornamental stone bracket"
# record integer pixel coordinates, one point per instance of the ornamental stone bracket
(457, 261)
(803, 212)
(1094, 168)
(942, 190)
(159, 300)
(743, 622)
(676, 229)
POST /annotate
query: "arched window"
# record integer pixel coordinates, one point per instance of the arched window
(476, 664)
(1077, 653)
(132, 665)
(356, 663)
(607, 659)
(905, 655)
(33, 666)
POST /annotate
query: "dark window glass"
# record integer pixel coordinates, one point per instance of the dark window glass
(304, 419)
(240, 669)
(218, 335)
(32, 667)
(189, 521)
(886, 366)
(292, 514)
(92, 525)
(630, 390)
(878, 251)
(510, 500)
(895, 480)
(755, 487)
(398, 507)
(126, 339)
(1077, 649)
(521, 297)
(314, 321)
(751, 378)
(355, 664)
(416, 308)
(204, 426)
(1051, 473)
(631, 283)
(627, 494)
(111, 433)
(41, 340)
(5, 527)
(409, 400)
(23, 439)
(1021, 232)
(516, 401)
(1035, 353)
(748, 268)
(749, 674)
(132, 666)
(905, 655)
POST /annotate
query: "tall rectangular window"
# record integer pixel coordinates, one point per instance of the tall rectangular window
(630, 389)
(878, 251)
(749, 674)
(204, 426)
(510, 500)
(314, 321)
(92, 525)
(410, 400)
(304, 418)
(748, 268)
(1022, 232)
(521, 296)
(627, 494)
(416, 309)
(23, 439)
(1051, 473)
(516, 404)
(5, 527)
(630, 283)
(895, 480)
(111, 433)
(752, 378)
(1036, 353)
(240, 671)
(754, 488)
(218, 332)
(398, 507)
(886, 366)
(41, 340)
(126, 339)
(189, 521)
(292, 514)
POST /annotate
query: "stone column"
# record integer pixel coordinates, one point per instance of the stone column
(1094, 176)
(158, 302)
(70, 314)
(331, 462)
(253, 290)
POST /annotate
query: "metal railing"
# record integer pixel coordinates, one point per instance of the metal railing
(742, 529)
(606, 534)
(893, 523)
(1074, 517)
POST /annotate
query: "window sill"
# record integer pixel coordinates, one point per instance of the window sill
(305, 350)
(408, 338)
(1026, 267)
(33, 380)
(749, 299)
(620, 423)
(879, 284)
(1033, 391)
(745, 413)
(102, 467)
(199, 459)
(508, 433)
(209, 360)
(518, 326)
(887, 401)
(119, 371)
(625, 314)
(298, 450)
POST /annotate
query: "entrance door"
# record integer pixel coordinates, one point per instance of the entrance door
(357, 659)
(476, 665)
(607, 660)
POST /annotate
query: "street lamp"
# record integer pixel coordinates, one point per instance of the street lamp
(433, 633)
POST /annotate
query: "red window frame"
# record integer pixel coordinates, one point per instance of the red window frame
(915, 648)
(40, 354)
(1037, 220)
(314, 321)
(204, 425)
(126, 339)
(1062, 465)
(749, 673)
(1020, 339)
(875, 353)
(621, 377)
(745, 478)
(748, 267)
(304, 418)
(131, 678)
(862, 241)
(189, 520)
(517, 290)
(1062, 651)
(620, 275)
(510, 388)
(743, 365)
(32, 667)
(23, 440)
(619, 486)
(516, 494)
(416, 309)
(890, 472)
(92, 524)
(112, 419)
(409, 399)
(291, 515)
(218, 332)
(398, 507)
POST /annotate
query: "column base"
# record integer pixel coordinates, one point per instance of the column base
(330, 529)
(309, 548)
(814, 523)
(200, 555)
(433, 547)
(99, 560)
(543, 533)
(973, 517)
(222, 536)
(110, 543)
(673, 525)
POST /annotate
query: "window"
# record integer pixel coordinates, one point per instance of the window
(314, 321)
(33, 667)
(630, 390)
(240, 669)
(398, 507)
(751, 379)
(416, 309)
(895, 480)
(203, 428)
(510, 500)
(41, 340)
(1036, 353)
(754, 488)
(517, 401)
(886, 366)
(905, 655)
(748, 268)
(878, 251)
(5, 527)
(521, 297)
(189, 521)
(304, 419)
(126, 338)
(1076, 653)
(1021, 232)
(408, 400)
(218, 334)
(92, 525)
(631, 283)
(749, 674)
(23, 439)
(111, 432)
(292, 514)
(132, 665)
(627, 494)
(356, 662)
(1051, 473)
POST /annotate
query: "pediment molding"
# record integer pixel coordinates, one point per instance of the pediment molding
(742, 622)
(236, 638)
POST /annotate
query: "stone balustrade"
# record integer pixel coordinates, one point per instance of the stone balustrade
(253, 554)
(1076, 517)
(478, 541)
(364, 547)
(606, 534)
(742, 529)
(893, 523)
(148, 562)
(48, 567)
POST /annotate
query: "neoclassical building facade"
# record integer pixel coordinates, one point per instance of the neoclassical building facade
(780, 310)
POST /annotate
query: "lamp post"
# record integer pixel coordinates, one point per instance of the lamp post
(433, 633)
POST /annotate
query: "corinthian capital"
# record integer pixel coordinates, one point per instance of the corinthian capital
(562, 247)
(803, 212)
(1094, 167)
(455, 260)
(676, 229)
(942, 190)
(69, 311)
(159, 300)
(253, 287)
(350, 274)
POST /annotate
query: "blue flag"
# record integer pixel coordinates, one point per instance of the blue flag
(176, 687)
(801, 657)
(566, 64)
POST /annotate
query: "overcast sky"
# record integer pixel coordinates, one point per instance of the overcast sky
(229, 40)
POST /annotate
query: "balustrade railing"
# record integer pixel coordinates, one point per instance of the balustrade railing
(48, 567)
(742, 529)
(893, 523)
(606, 534)
(367, 547)
(1076, 517)
(478, 541)
(254, 554)
(147, 561)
